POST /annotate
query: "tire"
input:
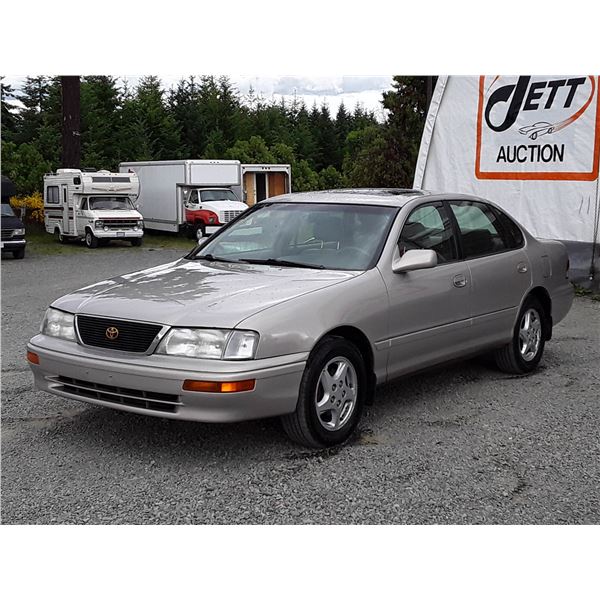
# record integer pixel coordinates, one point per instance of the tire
(136, 242)
(59, 237)
(20, 253)
(91, 241)
(192, 231)
(317, 428)
(524, 352)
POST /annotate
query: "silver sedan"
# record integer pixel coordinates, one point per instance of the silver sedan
(303, 305)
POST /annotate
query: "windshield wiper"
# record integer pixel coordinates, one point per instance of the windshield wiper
(279, 263)
(212, 258)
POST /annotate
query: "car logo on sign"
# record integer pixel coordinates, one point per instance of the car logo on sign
(112, 333)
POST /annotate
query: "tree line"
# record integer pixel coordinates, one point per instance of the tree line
(207, 117)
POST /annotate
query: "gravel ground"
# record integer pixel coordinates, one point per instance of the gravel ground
(462, 444)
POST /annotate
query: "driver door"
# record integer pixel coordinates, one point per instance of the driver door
(429, 316)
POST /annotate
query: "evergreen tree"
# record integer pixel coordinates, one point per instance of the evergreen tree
(10, 118)
(100, 122)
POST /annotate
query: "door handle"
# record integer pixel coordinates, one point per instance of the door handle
(459, 281)
(522, 267)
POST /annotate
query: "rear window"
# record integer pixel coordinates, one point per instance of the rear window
(481, 231)
(512, 233)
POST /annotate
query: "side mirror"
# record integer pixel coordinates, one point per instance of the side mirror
(413, 260)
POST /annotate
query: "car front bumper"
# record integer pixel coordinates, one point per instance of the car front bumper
(152, 384)
(118, 235)
(9, 244)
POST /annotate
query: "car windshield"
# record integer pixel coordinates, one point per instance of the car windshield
(216, 195)
(7, 210)
(110, 203)
(326, 236)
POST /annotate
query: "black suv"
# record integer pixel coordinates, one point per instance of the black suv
(13, 232)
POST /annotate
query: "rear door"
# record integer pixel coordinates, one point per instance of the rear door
(429, 308)
(499, 266)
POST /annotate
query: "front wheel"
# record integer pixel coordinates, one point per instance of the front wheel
(20, 253)
(136, 241)
(91, 241)
(524, 352)
(331, 395)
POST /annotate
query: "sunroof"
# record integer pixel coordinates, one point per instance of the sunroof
(380, 191)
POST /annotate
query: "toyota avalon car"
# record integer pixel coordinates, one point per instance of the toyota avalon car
(302, 305)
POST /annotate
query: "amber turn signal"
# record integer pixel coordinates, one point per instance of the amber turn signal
(219, 387)
(32, 357)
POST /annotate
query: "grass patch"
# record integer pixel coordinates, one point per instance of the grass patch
(40, 243)
(585, 293)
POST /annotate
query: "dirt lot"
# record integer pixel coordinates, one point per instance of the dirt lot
(462, 444)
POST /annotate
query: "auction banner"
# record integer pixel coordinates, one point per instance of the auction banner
(538, 128)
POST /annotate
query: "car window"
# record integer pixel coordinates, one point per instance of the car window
(428, 228)
(331, 235)
(84, 204)
(481, 233)
(513, 236)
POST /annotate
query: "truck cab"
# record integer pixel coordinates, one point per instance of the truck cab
(207, 209)
(96, 206)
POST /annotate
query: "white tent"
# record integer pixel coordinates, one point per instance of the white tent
(530, 144)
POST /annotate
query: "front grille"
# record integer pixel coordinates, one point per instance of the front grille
(131, 335)
(119, 224)
(227, 215)
(117, 395)
(7, 234)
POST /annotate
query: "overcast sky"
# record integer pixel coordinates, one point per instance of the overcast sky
(332, 90)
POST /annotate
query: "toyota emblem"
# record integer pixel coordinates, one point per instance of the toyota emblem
(112, 333)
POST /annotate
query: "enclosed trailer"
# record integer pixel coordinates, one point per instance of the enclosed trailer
(195, 194)
(260, 182)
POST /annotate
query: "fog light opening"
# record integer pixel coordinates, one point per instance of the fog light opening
(219, 387)
(33, 358)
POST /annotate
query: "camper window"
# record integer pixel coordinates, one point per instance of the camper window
(52, 196)
(84, 204)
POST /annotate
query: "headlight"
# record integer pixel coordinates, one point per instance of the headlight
(140, 224)
(19, 232)
(59, 324)
(99, 224)
(210, 343)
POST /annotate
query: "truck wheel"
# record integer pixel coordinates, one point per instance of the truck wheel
(196, 231)
(91, 241)
(331, 396)
(59, 237)
(20, 253)
(524, 352)
(136, 241)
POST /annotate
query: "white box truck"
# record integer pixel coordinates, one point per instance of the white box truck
(197, 196)
(97, 206)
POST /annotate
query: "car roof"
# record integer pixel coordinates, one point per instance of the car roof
(396, 197)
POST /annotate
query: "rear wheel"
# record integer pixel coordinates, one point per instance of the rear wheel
(59, 237)
(20, 253)
(331, 396)
(524, 352)
(91, 241)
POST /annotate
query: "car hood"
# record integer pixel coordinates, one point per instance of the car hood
(190, 293)
(11, 223)
(221, 205)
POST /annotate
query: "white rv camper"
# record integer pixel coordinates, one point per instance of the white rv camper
(97, 206)
(194, 195)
